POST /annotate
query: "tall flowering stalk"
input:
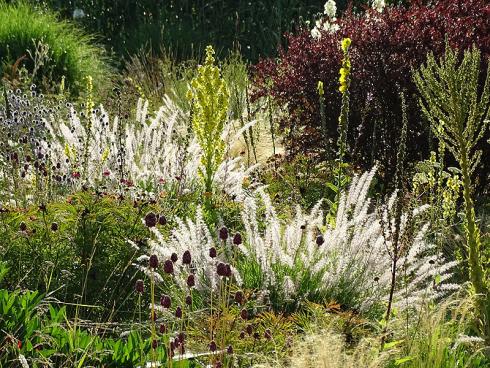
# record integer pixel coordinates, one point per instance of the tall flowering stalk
(210, 100)
(459, 115)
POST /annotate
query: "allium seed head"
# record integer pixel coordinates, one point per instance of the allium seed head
(191, 281)
(221, 269)
(229, 349)
(165, 301)
(223, 233)
(237, 239)
(320, 240)
(174, 257)
(212, 346)
(162, 220)
(54, 226)
(153, 262)
(244, 314)
(186, 258)
(168, 266)
(150, 219)
(212, 252)
(139, 286)
(188, 300)
(178, 312)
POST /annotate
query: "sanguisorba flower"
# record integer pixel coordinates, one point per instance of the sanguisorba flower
(151, 219)
(186, 258)
(168, 266)
(153, 262)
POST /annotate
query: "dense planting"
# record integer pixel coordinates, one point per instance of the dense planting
(209, 214)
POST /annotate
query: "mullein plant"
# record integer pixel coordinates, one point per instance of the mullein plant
(341, 180)
(210, 98)
(458, 112)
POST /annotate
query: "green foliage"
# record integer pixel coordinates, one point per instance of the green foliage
(52, 52)
(459, 113)
(210, 100)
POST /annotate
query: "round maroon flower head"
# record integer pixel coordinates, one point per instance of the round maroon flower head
(172, 346)
(237, 239)
(168, 266)
(250, 329)
(153, 261)
(212, 252)
(268, 334)
(151, 219)
(239, 297)
(162, 220)
(229, 349)
(188, 300)
(256, 335)
(154, 344)
(178, 312)
(191, 281)
(244, 314)
(174, 257)
(320, 240)
(23, 226)
(186, 258)
(212, 346)
(221, 269)
(176, 342)
(139, 286)
(242, 335)
(54, 226)
(165, 301)
(163, 329)
(42, 207)
(223, 233)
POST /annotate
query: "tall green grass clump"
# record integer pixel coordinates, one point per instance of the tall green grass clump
(52, 52)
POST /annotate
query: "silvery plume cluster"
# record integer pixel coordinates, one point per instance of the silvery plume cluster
(349, 261)
(142, 154)
(303, 257)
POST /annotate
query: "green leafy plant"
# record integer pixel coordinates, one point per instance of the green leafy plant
(458, 113)
(210, 99)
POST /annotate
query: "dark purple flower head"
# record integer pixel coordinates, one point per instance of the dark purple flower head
(250, 329)
(186, 258)
(178, 312)
(223, 233)
(165, 301)
(162, 220)
(229, 349)
(188, 300)
(212, 252)
(212, 346)
(237, 239)
(54, 226)
(218, 364)
(163, 329)
(174, 257)
(256, 335)
(268, 334)
(154, 344)
(191, 281)
(168, 266)
(320, 240)
(239, 297)
(221, 269)
(23, 226)
(244, 314)
(139, 286)
(242, 335)
(153, 261)
(151, 219)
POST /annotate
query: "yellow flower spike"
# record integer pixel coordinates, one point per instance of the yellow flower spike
(346, 42)
(320, 89)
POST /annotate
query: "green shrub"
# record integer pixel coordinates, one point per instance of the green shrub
(48, 49)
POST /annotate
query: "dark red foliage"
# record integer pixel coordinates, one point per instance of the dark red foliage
(385, 47)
